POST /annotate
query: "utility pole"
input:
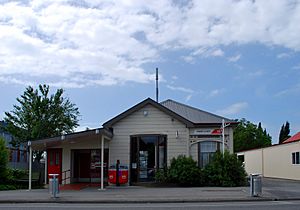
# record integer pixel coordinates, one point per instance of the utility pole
(157, 85)
(224, 125)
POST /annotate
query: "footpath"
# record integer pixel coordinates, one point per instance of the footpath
(273, 189)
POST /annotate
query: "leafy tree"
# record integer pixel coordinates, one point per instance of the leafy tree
(284, 132)
(247, 136)
(41, 115)
(3, 160)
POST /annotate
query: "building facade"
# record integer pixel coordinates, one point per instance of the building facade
(17, 155)
(277, 161)
(144, 138)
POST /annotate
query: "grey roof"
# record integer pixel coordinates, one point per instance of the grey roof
(188, 115)
(192, 114)
(142, 104)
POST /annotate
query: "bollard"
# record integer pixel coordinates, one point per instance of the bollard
(255, 185)
(54, 185)
(117, 173)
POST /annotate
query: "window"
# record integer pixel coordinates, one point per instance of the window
(206, 152)
(296, 158)
(57, 158)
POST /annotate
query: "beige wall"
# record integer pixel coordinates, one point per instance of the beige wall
(156, 122)
(278, 161)
(253, 161)
(274, 161)
(88, 143)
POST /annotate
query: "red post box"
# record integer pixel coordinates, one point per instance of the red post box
(123, 174)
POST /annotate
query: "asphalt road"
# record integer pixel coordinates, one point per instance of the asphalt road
(291, 205)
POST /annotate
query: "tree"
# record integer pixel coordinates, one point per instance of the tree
(41, 115)
(3, 160)
(284, 132)
(247, 136)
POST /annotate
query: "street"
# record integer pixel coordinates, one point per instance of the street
(291, 205)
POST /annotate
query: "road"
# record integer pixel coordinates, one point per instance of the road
(291, 205)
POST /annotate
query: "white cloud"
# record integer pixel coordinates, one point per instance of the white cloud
(234, 58)
(233, 109)
(292, 90)
(189, 91)
(257, 73)
(296, 67)
(283, 55)
(107, 43)
(182, 89)
(208, 52)
(216, 92)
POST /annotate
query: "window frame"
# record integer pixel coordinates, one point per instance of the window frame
(296, 158)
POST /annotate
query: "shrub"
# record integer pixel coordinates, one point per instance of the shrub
(3, 160)
(18, 173)
(184, 171)
(162, 176)
(225, 170)
(7, 187)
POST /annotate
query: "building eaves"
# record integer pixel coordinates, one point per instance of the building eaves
(140, 105)
(196, 116)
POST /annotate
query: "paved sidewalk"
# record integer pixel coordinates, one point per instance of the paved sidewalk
(272, 190)
(132, 195)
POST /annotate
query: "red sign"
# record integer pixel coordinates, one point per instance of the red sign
(217, 131)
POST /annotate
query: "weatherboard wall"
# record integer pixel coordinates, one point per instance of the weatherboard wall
(155, 122)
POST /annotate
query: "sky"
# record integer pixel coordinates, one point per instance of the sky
(237, 59)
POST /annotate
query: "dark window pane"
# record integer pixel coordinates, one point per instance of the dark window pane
(293, 158)
(51, 158)
(57, 158)
(297, 158)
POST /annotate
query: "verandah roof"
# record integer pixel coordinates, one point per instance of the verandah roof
(87, 135)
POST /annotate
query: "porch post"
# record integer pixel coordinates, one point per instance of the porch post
(30, 164)
(46, 166)
(102, 162)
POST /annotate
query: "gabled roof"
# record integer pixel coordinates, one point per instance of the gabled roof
(190, 116)
(141, 105)
(196, 116)
(294, 138)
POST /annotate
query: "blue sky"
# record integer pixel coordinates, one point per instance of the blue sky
(238, 59)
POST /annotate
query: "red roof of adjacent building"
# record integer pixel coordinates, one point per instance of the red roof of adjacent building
(295, 137)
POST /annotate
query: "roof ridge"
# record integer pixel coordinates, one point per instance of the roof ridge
(194, 108)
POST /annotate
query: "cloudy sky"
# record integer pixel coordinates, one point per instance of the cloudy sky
(239, 59)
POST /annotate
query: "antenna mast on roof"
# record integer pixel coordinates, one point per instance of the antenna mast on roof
(157, 85)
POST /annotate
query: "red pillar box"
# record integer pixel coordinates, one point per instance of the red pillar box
(123, 174)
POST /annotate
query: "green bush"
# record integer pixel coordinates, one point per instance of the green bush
(3, 160)
(225, 170)
(18, 173)
(162, 176)
(184, 171)
(7, 187)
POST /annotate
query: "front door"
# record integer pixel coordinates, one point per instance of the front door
(54, 162)
(148, 154)
(86, 166)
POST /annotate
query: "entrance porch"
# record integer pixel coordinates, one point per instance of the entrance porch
(76, 157)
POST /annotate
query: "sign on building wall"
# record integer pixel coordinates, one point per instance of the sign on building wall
(206, 131)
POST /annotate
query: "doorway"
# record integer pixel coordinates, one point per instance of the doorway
(54, 162)
(148, 154)
(86, 165)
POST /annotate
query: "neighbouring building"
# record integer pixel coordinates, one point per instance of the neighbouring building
(17, 155)
(277, 161)
(145, 138)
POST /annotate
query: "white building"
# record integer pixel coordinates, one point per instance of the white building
(277, 161)
(145, 138)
